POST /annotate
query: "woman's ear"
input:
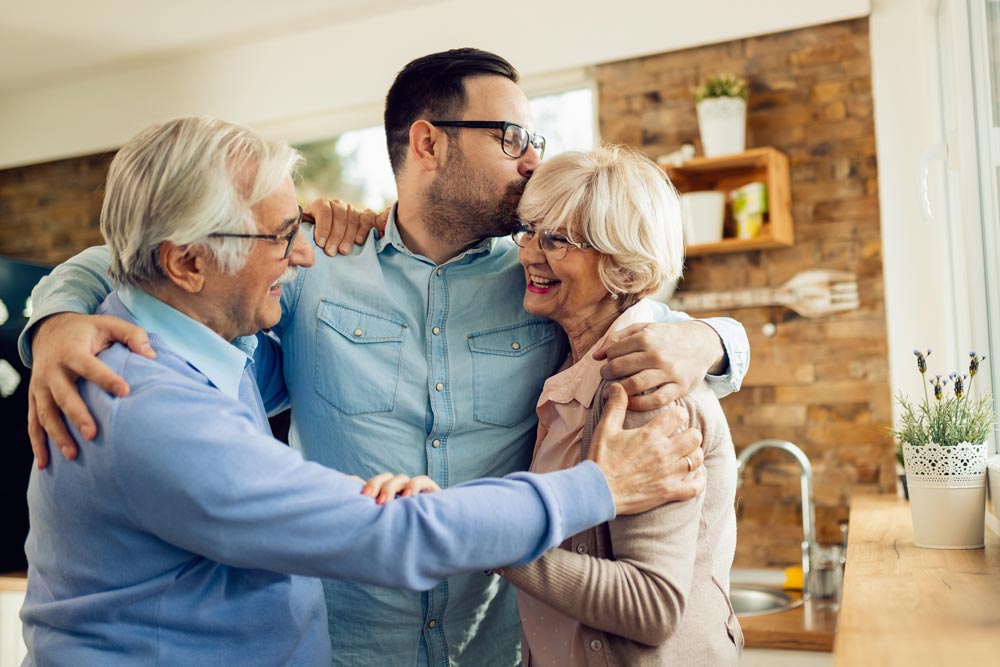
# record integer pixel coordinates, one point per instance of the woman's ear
(428, 145)
(184, 266)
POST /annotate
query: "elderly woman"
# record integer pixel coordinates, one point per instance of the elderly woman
(600, 231)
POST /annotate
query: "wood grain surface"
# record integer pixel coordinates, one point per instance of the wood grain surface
(905, 605)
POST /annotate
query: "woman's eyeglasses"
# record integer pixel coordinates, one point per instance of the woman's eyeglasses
(554, 245)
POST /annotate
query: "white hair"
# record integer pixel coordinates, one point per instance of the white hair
(181, 181)
(620, 202)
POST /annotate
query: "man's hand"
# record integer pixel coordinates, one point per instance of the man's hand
(64, 348)
(667, 360)
(649, 466)
(339, 226)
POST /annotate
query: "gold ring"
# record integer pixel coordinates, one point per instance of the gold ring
(690, 463)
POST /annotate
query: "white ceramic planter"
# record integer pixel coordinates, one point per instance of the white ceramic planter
(722, 123)
(947, 487)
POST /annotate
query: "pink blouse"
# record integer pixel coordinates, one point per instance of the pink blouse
(551, 637)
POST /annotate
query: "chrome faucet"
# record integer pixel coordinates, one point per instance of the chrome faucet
(805, 480)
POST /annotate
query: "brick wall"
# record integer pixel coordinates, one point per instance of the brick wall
(49, 212)
(820, 383)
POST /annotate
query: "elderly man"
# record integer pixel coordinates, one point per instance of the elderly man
(166, 541)
(414, 352)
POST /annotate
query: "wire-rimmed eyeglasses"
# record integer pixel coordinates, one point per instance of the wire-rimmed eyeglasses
(553, 244)
(289, 238)
(514, 138)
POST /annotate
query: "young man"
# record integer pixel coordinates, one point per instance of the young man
(414, 353)
(180, 535)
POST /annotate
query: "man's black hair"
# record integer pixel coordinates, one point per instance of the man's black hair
(433, 88)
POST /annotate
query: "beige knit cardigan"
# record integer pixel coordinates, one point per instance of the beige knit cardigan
(652, 589)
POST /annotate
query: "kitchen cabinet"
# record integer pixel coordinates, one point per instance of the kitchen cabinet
(728, 172)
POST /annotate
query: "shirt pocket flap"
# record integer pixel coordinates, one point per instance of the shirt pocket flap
(358, 326)
(515, 340)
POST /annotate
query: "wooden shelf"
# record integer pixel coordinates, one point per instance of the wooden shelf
(767, 165)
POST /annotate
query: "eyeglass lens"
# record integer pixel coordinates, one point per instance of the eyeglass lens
(516, 140)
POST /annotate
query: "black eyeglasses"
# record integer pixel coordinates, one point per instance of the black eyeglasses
(554, 245)
(515, 139)
(289, 237)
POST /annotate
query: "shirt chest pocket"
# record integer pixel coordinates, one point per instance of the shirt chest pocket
(510, 366)
(357, 358)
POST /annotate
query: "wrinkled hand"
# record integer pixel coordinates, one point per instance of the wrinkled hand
(340, 226)
(648, 466)
(658, 363)
(386, 487)
(65, 348)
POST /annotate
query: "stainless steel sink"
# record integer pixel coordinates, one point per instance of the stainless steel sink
(749, 600)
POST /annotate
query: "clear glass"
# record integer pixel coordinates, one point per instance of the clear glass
(826, 578)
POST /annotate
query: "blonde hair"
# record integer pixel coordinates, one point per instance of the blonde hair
(620, 202)
(181, 181)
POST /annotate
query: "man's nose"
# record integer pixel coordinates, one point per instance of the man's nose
(302, 251)
(529, 162)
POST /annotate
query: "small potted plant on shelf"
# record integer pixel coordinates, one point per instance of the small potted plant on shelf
(721, 102)
(944, 452)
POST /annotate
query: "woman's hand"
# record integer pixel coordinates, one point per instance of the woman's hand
(386, 487)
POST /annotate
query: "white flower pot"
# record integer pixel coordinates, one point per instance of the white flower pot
(947, 487)
(722, 123)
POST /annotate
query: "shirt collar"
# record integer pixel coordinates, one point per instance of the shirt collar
(580, 381)
(219, 361)
(392, 238)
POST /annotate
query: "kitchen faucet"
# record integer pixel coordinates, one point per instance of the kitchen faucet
(805, 480)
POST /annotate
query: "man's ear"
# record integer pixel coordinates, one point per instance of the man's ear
(184, 266)
(428, 145)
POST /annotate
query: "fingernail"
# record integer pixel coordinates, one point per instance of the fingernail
(321, 240)
(381, 499)
(345, 248)
(406, 493)
(68, 453)
(148, 351)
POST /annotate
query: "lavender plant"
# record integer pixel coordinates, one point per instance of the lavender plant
(947, 420)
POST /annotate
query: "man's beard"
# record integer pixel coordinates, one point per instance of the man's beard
(463, 207)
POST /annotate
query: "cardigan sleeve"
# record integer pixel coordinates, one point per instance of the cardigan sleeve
(640, 591)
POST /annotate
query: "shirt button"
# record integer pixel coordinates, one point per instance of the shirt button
(439, 272)
(581, 548)
(516, 346)
(436, 444)
(439, 386)
(596, 645)
(358, 332)
(432, 624)
(436, 330)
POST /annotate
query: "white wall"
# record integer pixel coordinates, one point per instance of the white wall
(320, 80)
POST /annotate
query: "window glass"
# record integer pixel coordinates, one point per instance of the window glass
(355, 167)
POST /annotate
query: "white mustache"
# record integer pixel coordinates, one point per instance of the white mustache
(288, 276)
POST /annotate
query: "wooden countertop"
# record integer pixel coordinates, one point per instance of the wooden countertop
(16, 582)
(904, 605)
(802, 628)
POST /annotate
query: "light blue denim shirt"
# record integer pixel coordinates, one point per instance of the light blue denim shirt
(424, 369)
(166, 541)
(395, 364)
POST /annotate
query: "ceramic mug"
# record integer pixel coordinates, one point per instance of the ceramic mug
(703, 213)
